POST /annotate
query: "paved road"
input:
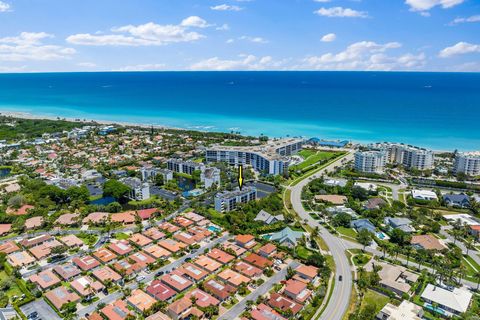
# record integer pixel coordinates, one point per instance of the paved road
(339, 302)
(472, 253)
(237, 309)
(149, 277)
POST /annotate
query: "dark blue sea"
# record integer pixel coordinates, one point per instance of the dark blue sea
(437, 110)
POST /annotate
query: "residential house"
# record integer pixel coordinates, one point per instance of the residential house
(160, 291)
(233, 278)
(457, 200)
(219, 289)
(267, 218)
(405, 311)
(116, 311)
(267, 250)
(363, 224)
(45, 279)
(60, 296)
(452, 302)
(264, 312)
(246, 241)
(403, 224)
(297, 290)
(287, 237)
(176, 281)
(86, 286)
(427, 242)
(67, 271)
(282, 303)
(140, 301)
(86, 262)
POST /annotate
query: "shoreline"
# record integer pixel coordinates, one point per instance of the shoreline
(31, 116)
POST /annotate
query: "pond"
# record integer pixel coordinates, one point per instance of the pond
(103, 201)
(4, 172)
(186, 184)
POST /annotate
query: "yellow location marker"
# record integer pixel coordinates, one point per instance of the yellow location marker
(240, 176)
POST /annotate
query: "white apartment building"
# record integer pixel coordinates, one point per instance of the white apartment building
(228, 200)
(272, 158)
(408, 156)
(370, 161)
(468, 163)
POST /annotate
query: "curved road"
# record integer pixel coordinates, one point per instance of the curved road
(340, 299)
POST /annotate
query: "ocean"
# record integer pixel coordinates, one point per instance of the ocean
(435, 110)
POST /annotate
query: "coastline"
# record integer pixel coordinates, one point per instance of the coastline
(29, 115)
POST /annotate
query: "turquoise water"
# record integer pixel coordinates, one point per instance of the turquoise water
(438, 110)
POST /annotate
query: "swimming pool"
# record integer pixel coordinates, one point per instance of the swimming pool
(214, 228)
(381, 235)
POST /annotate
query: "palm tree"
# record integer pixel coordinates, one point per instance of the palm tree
(477, 276)
(469, 244)
(408, 251)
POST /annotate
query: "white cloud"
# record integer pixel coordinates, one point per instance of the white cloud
(425, 5)
(30, 46)
(226, 7)
(194, 21)
(340, 12)
(223, 27)
(329, 37)
(322, 1)
(87, 64)
(4, 7)
(365, 55)
(254, 39)
(244, 62)
(459, 48)
(475, 18)
(230, 41)
(143, 67)
(4, 69)
(148, 34)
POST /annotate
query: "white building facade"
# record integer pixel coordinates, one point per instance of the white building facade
(468, 163)
(370, 161)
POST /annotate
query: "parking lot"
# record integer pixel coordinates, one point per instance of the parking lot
(45, 312)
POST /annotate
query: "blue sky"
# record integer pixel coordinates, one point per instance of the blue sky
(129, 35)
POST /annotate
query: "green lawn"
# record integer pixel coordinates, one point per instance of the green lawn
(361, 259)
(303, 252)
(121, 236)
(349, 232)
(14, 290)
(372, 297)
(471, 270)
(87, 238)
(314, 158)
(305, 153)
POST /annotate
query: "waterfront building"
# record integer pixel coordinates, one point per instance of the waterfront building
(370, 161)
(272, 158)
(208, 175)
(410, 157)
(138, 190)
(149, 174)
(228, 200)
(468, 163)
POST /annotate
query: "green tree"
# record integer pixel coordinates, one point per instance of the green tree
(364, 237)
(115, 189)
